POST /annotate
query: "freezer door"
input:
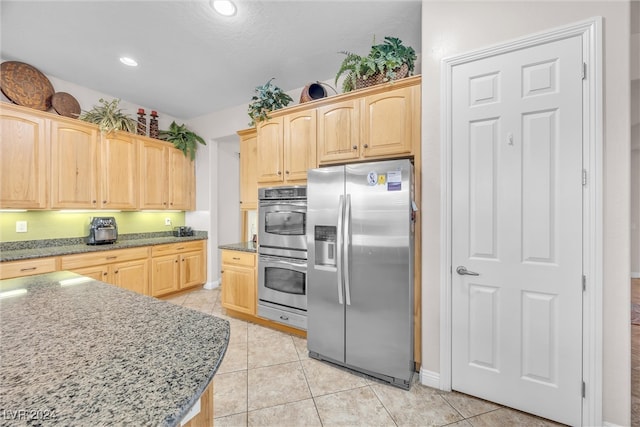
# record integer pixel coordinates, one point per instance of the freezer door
(379, 314)
(325, 291)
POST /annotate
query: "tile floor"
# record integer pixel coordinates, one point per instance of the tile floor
(267, 379)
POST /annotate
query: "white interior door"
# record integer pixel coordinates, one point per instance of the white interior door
(517, 223)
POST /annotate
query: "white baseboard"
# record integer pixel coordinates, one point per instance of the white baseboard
(429, 378)
(212, 285)
(608, 424)
(635, 274)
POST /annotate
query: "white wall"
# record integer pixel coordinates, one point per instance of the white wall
(452, 27)
(635, 139)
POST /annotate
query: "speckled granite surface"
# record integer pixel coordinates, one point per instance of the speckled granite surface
(94, 354)
(243, 247)
(13, 251)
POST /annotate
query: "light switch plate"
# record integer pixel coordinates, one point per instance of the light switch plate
(21, 226)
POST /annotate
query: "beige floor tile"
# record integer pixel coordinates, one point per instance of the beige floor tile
(277, 385)
(301, 347)
(238, 329)
(419, 406)
(357, 407)
(509, 417)
(230, 393)
(463, 423)
(299, 414)
(260, 333)
(235, 359)
(469, 406)
(325, 379)
(178, 300)
(237, 420)
(273, 351)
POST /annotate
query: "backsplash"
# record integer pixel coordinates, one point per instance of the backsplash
(60, 225)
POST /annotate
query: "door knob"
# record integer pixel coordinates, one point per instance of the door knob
(462, 270)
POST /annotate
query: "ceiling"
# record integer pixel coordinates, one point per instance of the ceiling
(193, 61)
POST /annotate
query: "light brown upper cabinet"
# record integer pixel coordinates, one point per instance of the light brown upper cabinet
(339, 131)
(376, 126)
(287, 148)
(75, 168)
(24, 159)
(166, 177)
(119, 167)
(248, 166)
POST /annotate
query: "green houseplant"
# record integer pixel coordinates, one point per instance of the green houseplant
(268, 97)
(182, 138)
(109, 117)
(390, 60)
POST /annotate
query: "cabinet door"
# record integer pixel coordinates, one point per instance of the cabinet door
(299, 144)
(270, 145)
(181, 181)
(192, 269)
(24, 160)
(119, 167)
(165, 275)
(339, 132)
(387, 123)
(154, 158)
(132, 275)
(96, 272)
(74, 165)
(238, 289)
(248, 170)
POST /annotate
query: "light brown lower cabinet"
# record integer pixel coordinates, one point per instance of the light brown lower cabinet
(239, 281)
(29, 267)
(125, 268)
(177, 266)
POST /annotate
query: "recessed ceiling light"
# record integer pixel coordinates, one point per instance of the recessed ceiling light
(224, 7)
(129, 61)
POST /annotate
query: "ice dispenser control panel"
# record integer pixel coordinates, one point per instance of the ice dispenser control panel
(325, 245)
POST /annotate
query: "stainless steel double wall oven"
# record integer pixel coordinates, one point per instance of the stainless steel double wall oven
(282, 250)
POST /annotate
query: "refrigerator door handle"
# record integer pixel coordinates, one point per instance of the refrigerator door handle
(347, 246)
(339, 247)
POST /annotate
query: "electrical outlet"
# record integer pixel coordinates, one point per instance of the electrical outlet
(21, 226)
(167, 221)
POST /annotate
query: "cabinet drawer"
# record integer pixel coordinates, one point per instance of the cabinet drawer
(238, 258)
(27, 268)
(176, 248)
(70, 262)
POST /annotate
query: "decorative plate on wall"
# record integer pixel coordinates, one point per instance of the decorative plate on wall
(65, 104)
(25, 85)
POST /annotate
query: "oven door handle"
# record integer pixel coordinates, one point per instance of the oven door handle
(339, 248)
(302, 266)
(283, 203)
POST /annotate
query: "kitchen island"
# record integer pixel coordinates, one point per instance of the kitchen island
(75, 351)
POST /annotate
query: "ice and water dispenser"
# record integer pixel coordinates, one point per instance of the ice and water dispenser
(325, 245)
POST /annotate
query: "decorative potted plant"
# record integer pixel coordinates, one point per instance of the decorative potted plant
(269, 97)
(182, 138)
(390, 60)
(109, 117)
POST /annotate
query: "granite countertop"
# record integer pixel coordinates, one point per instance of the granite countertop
(242, 246)
(89, 353)
(29, 249)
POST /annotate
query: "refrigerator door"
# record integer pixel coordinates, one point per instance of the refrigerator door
(379, 314)
(325, 288)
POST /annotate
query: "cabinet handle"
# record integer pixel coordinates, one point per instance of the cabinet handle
(176, 261)
(236, 258)
(355, 147)
(366, 145)
(171, 203)
(179, 249)
(28, 269)
(221, 271)
(287, 172)
(104, 202)
(112, 257)
(117, 271)
(104, 274)
(94, 201)
(279, 173)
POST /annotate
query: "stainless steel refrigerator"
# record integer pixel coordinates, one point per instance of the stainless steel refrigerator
(360, 228)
